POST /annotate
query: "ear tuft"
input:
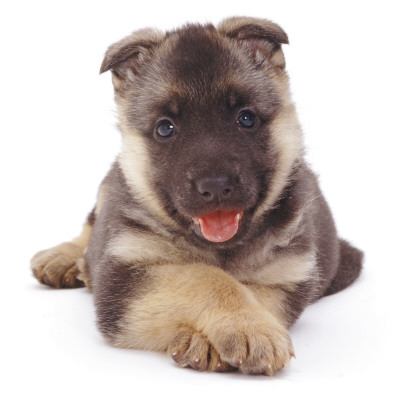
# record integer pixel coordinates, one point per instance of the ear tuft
(259, 35)
(243, 28)
(130, 52)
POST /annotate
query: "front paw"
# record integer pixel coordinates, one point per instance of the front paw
(59, 267)
(192, 349)
(253, 345)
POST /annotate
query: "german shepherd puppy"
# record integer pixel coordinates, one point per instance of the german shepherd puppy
(210, 234)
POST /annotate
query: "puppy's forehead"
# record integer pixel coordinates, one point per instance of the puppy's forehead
(200, 64)
(194, 53)
(198, 70)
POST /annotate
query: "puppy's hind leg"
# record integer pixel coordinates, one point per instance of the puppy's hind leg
(350, 265)
(63, 266)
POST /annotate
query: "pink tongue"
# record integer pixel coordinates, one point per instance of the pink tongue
(219, 226)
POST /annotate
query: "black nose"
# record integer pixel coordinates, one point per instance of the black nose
(215, 188)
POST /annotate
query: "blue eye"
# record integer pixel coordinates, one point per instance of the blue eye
(165, 129)
(246, 119)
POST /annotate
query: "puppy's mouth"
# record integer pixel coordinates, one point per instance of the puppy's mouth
(220, 225)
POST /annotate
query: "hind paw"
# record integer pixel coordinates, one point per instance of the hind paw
(60, 267)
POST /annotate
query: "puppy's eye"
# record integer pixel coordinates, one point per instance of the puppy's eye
(165, 129)
(246, 119)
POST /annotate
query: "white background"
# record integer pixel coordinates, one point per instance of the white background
(58, 138)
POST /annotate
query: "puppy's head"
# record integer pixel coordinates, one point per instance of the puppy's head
(209, 133)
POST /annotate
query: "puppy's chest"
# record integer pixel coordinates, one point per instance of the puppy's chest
(240, 261)
(254, 263)
(262, 265)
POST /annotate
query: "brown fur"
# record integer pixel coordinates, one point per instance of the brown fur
(158, 284)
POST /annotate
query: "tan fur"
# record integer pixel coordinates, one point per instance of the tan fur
(214, 304)
(281, 270)
(82, 240)
(101, 198)
(134, 162)
(286, 139)
(131, 247)
(272, 298)
(137, 248)
(63, 265)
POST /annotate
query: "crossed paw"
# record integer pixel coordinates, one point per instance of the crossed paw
(253, 349)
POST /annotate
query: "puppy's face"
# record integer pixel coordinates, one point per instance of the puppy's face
(197, 110)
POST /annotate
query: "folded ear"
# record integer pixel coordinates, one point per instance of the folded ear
(130, 53)
(262, 37)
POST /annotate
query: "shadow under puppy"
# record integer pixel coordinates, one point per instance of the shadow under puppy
(210, 234)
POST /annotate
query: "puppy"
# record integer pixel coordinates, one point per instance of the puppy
(210, 234)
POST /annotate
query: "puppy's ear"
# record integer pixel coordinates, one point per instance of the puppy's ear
(262, 37)
(131, 53)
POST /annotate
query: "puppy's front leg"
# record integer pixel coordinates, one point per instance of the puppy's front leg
(204, 318)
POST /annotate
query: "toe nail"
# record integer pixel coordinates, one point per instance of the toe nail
(175, 356)
(221, 368)
(195, 364)
(47, 281)
(269, 370)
